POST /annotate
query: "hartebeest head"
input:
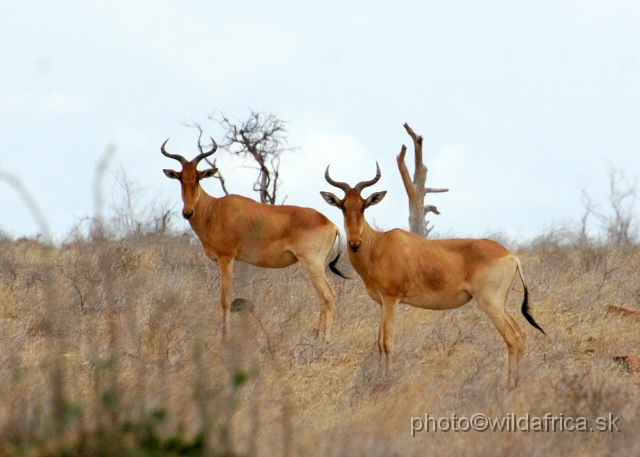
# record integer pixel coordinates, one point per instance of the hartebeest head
(189, 177)
(353, 205)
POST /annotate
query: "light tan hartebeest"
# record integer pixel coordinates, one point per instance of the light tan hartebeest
(400, 267)
(269, 236)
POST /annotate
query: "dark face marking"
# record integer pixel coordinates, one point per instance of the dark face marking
(189, 179)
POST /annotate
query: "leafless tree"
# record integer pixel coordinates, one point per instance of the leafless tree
(589, 209)
(619, 226)
(416, 189)
(261, 137)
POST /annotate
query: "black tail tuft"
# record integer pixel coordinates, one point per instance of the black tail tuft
(525, 311)
(332, 267)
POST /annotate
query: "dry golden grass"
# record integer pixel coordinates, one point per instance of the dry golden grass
(108, 343)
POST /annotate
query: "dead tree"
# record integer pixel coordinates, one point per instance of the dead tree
(416, 189)
(262, 138)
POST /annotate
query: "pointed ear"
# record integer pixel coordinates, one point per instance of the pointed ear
(208, 173)
(331, 199)
(374, 198)
(171, 173)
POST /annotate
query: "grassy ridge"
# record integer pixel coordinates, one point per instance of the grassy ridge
(111, 347)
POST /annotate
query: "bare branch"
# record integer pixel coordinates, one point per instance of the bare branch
(417, 144)
(430, 209)
(427, 229)
(620, 225)
(218, 176)
(589, 208)
(196, 125)
(262, 138)
(404, 173)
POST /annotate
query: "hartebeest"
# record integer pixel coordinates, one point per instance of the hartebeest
(400, 267)
(237, 228)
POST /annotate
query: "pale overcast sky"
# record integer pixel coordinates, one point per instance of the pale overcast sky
(521, 104)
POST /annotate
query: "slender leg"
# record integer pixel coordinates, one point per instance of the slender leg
(381, 331)
(387, 328)
(520, 335)
(511, 333)
(326, 292)
(226, 292)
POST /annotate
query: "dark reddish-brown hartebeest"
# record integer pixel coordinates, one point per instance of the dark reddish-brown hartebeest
(269, 236)
(400, 267)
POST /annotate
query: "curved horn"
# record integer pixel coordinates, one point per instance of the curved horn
(340, 185)
(361, 185)
(201, 156)
(177, 157)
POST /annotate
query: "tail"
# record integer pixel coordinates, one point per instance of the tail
(525, 302)
(332, 264)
